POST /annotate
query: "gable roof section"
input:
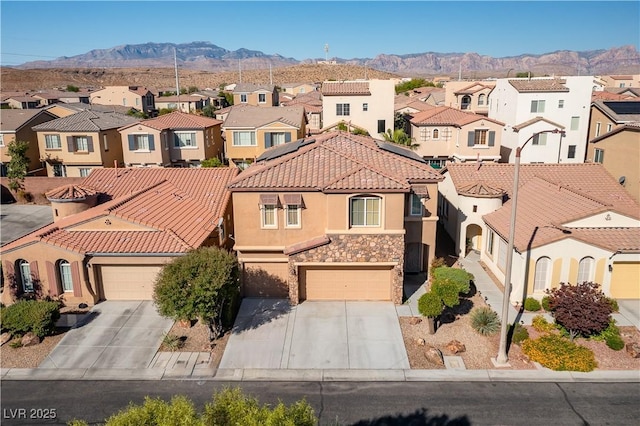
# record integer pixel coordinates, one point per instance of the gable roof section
(249, 116)
(447, 116)
(86, 121)
(473, 88)
(251, 87)
(540, 85)
(628, 127)
(336, 162)
(15, 119)
(535, 120)
(177, 120)
(337, 88)
(619, 111)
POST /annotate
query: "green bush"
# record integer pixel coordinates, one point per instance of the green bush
(154, 411)
(449, 283)
(531, 304)
(545, 303)
(614, 304)
(36, 316)
(615, 342)
(611, 330)
(520, 334)
(436, 263)
(430, 305)
(559, 354)
(485, 321)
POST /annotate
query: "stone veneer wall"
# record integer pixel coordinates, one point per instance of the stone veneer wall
(372, 248)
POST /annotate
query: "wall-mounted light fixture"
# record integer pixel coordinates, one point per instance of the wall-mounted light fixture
(607, 217)
(610, 268)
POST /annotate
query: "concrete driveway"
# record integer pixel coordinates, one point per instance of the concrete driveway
(114, 334)
(271, 334)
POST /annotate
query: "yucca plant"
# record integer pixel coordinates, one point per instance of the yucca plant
(485, 321)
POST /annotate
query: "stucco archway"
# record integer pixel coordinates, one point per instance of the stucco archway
(474, 237)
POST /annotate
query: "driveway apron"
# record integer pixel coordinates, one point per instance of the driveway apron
(115, 334)
(316, 335)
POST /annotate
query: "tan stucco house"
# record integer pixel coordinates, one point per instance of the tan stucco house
(334, 217)
(74, 145)
(312, 103)
(445, 134)
(471, 96)
(250, 130)
(113, 233)
(176, 139)
(261, 95)
(138, 97)
(15, 125)
(574, 223)
(183, 103)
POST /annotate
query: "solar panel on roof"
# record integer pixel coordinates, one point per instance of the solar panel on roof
(389, 147)
(284, 149)
(624, 107)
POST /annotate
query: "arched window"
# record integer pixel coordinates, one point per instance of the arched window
(25, 276)
(481, 99)
(436, 134)
(542, 273)
(585, 270)
(64, 271)
(466, 101)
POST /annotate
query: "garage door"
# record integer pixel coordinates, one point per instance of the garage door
(625, 280)
(266, 279)
(345, 283)
(128, 282)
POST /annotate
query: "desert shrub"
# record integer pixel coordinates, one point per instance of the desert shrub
(559, 354)
(449, 283)
(155, 411)
(436, 263)
(172, 342)
(615, 342)
(545, 303)
(614, 304)
(611, 330)
(582, 309)
(541, 324)
(430, 305)
(531, 304)
(485, 321)
(520, 334)
(36, 316)
(232, 407)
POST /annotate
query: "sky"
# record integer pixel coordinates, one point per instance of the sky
(45, 30)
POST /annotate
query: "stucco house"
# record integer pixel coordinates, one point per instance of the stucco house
(176, 139)
(296, 89)
(365, 104)
(471, 96)
(74, 145)
(112, 234)
(334, 217)
(446, 134)
(312, 103)
(15, 125)
(250, 130)
(574, 223)
(182, 103)
(261, 95)
(621, 81)
(138, 97)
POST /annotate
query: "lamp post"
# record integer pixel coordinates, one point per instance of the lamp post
(502, 357)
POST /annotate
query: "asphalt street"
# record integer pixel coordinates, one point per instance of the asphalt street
(349, 403)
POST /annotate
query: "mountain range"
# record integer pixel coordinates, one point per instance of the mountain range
(207, 56)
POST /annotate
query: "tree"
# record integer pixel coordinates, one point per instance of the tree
(582, 309)
(524, 75)
(211, 162)
(17, 167)
(400, 120)
(209, 111)
(201, 284)
(72, 88)
(413, 84)
(430, 305)
(399, 137)
(228, 97)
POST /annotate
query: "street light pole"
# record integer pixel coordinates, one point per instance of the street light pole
(502, 358)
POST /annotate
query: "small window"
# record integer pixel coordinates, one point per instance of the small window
(597, 130)
(537, 106)
(480, 137)
(84, 172)
(124, 101)
(59, 170)
(561, 104)
(435, 134)
(66, 281)
(244, 139)
(475, 209)
(365, 107)
(1, 139)
(25, 276)
(598, 156)
(585, 270)
(140, 142)
(364, 211)
(52, 142)
(609, 127)
(81, 143)
(243, 98)
(572, 151)
(482, 99)
(343, 109)
(381, 125)
(292, 214)
(490, 242)
(268, 213)
(539, 139)
(262, 98)
(575, 123)
(137, 101)
(416, 205)
(105, 142)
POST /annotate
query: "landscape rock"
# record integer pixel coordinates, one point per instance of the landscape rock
(4, 338)
(420, 342)
(415, 320)
(455, 347)
(30, 339)
(633, 349)
(434, 355)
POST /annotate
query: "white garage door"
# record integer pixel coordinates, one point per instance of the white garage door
(345, 283)
(131, 282)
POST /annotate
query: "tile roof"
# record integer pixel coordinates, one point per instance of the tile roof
(540, 85)
(447, 116)
(251, 87)
(254, 116)
(543, 207)
(311, 101)
(534, 120)
(609, 96)
(473, 88)
(481, 190)
(86, 121)
(71, 192)
(336, 162)
(332, 88)
(177, 120)
(14, 119)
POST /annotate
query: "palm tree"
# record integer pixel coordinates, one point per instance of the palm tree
(398, 136)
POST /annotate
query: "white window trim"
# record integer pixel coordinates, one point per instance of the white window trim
(77, 147)
(263, 209)
(490, 236)
(367, 197)
(581, 271)
(411, 201)
(539, 277)
(62, 280)
(265, 98)
(194, 141)
(439, 133)
(486, 139)
(298, 214)
(25, 279)
(147, 150)
(52, 136)
(254, 141)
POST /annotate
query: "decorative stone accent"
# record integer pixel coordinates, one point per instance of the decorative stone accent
(633, 349)
(415, 320)
(434, 355)
(30, 339)
(363, 248)
(455, 347)
(421, 342)
(4, 338)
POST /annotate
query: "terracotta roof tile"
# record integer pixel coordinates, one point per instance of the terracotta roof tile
(71, 192)
(534, 120)
(333, 88)
(481, 190)
(306, 245)
(446, 116)
(540, 85)
(178, 120)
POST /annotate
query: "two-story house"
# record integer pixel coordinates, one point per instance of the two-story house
(446, 134)
(72, 146)
(136, 97)
(250, 130)
(312, 103)
(182, 103)
(621, 81)
(366, 104)
(172, 140)
(15, 125)
(574, 223)
(296, 89)
(334, 217)
(113, 233)
(58, 96)
(471, 96)
(262, 95)
(528, 106)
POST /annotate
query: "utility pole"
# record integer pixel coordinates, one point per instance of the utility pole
(175, 64)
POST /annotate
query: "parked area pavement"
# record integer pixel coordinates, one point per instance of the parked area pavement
(17, 220)
(270, 334)
(114, 334)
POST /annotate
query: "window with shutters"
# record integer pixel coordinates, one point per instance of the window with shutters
(64, 272)
(184, 140)
(25, 276)
(481, 138)
(81, 143)
(140, 143)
